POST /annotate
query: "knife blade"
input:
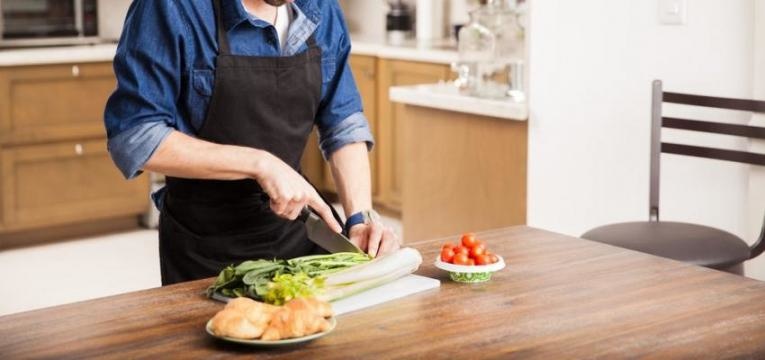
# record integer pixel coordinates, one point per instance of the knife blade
(320, 233)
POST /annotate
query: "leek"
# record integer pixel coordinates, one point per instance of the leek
(379, 267)
(377, 272)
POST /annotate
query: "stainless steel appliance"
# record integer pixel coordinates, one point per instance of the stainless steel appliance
(48, 22)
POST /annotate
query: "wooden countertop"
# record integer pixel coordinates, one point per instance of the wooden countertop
(560, 297)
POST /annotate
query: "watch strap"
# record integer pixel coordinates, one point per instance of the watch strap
(353, 220)
(361, 217)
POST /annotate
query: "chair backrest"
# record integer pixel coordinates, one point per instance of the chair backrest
(658, 121)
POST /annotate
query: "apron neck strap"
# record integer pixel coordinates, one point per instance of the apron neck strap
(223, 47)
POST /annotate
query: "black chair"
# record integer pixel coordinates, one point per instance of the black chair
(691, 243)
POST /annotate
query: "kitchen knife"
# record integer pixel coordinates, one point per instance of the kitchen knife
(320, 233)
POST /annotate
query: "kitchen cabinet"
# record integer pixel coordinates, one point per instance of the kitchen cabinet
(390, 129)
(470, 172)
(62, 182)
(373, 77)
(54, 166)
(53, 102)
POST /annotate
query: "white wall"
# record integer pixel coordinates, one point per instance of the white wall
(591, 67)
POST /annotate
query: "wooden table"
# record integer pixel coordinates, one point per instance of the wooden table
(560, 297)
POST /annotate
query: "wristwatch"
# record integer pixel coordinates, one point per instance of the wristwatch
(361, 217)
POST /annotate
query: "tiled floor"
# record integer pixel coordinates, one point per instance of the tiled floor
(43, 276)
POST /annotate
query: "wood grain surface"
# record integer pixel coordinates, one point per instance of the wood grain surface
(560, 297)
(471, 168)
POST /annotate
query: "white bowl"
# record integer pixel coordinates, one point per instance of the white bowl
(470, 273)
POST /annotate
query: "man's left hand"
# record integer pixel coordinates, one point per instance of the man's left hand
(375, 238)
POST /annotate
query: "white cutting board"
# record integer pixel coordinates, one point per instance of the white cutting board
(407, 285)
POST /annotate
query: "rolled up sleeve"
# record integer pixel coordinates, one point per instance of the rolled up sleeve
(142, 111)
(340, 119)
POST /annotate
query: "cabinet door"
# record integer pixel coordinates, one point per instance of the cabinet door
(66, 182)
(53, 102)
(391, 158)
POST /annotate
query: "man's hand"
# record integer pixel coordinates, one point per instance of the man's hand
(289, 191)
(375, 238)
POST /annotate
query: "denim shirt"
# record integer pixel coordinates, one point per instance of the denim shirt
(165, 66)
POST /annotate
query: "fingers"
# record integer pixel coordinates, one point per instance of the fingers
(321, 208)
(375, 236)
(359, 236)
(288, 202)
(389, 243)
(290, 193)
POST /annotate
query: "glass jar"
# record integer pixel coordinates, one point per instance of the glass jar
(503, 22)
(476, 46)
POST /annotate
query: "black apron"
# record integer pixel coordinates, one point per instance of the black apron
(268, 103)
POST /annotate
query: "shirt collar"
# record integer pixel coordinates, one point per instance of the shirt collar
(233, 12)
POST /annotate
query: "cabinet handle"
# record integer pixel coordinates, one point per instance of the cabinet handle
(78, 149)
(75, 70)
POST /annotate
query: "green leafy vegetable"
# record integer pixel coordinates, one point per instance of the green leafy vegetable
(286, 287)
(256, 278)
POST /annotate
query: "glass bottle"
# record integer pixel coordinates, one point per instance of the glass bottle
(476, 46)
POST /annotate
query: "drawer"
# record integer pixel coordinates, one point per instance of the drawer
(53, 102)
(65, 182)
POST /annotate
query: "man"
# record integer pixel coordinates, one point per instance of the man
(220, 96)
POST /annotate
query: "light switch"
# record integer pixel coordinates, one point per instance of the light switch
(672, 12)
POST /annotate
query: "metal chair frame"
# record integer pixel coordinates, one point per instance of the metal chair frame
(658, 121)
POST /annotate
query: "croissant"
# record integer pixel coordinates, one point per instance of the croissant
(240, 304)
(260, 314)
(243, 318)
(232, 323)
(321, 308)
(297, 318)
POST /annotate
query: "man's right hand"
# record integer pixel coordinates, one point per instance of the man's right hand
(289, 191)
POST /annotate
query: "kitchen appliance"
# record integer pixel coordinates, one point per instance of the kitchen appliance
(319, 232)
(398, 22)
(27, 23)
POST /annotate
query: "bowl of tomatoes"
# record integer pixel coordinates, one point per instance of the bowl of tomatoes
(469, 261)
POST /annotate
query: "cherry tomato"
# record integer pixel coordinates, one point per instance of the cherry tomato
(460, 259)
(468, 240)
(483, 260)
(477, 251)
(447, 255)
(459, 249)
(447, 246)
(471, 262)
(493, 258)
(479, 243)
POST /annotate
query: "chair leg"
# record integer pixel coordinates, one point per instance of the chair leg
(737, 269)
